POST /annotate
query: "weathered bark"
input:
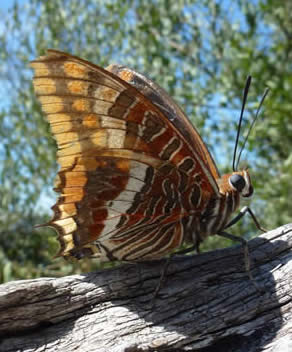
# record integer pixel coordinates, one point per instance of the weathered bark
(208, 303)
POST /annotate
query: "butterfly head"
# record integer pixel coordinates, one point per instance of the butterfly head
(236, 182)
(240, 181)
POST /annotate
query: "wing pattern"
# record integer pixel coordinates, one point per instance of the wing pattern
(131, 181)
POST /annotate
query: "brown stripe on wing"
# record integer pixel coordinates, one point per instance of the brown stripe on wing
(152, 242)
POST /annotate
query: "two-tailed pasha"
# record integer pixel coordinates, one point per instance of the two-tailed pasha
(136, 181)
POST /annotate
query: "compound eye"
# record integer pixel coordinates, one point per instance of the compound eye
(238, 182)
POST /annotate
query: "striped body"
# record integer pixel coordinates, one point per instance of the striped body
(136, 180)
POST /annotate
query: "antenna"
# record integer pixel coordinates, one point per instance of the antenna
(245, 93)
(252, 124)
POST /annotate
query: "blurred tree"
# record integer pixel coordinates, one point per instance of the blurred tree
(199, 51)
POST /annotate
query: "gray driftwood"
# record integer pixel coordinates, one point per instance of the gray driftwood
(208, 304)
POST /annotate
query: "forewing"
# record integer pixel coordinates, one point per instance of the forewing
(172, 111)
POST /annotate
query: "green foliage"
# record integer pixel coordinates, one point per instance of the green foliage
(199, 51)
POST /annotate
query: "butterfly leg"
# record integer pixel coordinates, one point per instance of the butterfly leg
(247, 262)
(161, 280)
(163, 273)
(242, 212)
(244, 245)
(166, 265)
(193, 248)
(140, 276)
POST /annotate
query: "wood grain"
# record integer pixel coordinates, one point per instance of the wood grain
(207, 304)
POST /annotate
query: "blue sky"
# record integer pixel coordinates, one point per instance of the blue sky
(8, 3)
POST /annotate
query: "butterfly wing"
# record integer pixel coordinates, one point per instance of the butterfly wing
(174, 113)
(133, 171)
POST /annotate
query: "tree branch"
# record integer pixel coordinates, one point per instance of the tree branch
(208, 304)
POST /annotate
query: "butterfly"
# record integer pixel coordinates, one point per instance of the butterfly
(136, 180)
